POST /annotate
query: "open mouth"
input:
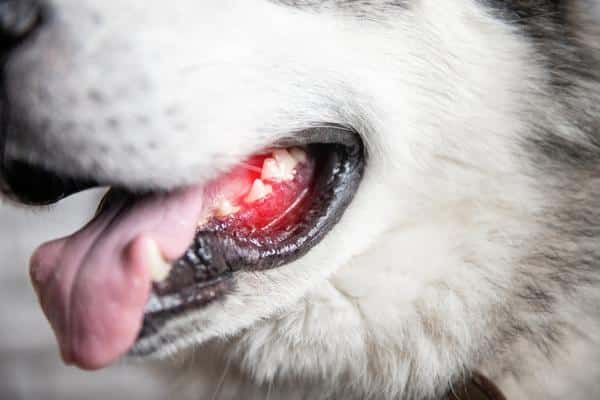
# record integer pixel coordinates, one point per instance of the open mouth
(267, 212)
(146, 259)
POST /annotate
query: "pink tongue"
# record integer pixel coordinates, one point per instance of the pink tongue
(94, 284)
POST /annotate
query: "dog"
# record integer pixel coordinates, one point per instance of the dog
(385, 199)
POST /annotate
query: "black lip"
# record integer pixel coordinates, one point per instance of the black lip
(160, 307)
(206, 271)
(36, 186)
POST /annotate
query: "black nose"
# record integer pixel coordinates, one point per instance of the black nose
(18, 18)
(25, 183)
(21, 181)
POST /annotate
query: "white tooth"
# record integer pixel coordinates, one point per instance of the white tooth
(287, 163)
(226, 209)
(203, 221)
(159, 268)
(282, 167)
(271, 171)
(258, 191)
(298, 154)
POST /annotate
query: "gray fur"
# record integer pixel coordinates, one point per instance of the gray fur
(563, 146)
(546, 311)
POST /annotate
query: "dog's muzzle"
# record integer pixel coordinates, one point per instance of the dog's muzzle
(29, 184)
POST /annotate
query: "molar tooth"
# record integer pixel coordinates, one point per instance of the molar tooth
(225, 209)
(159, 268)
(298, 154)
(258, 191)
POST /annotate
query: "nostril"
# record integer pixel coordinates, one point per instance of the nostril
(18, 18)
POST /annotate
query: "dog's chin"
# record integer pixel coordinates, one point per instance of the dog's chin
(226, 318)
(158, 271)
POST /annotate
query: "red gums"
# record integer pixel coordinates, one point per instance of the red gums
(281, 208)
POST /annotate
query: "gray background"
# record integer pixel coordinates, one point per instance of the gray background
(30, 366)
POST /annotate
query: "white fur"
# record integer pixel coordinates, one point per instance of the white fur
(402, 296)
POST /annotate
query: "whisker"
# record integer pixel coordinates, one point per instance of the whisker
(250, 167)
(221, 382)
(337, 127)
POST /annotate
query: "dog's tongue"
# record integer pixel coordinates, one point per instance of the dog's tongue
(94, 284)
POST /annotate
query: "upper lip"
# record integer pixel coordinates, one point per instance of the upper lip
(36, 185)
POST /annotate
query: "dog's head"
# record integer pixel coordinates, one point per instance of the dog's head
(355, 179)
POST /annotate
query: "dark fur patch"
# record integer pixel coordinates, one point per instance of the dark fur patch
(363, 9)
(562, 147)
(523, 11)
(352, 4)
(547, 24)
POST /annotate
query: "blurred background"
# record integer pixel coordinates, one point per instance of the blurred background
(30, 366)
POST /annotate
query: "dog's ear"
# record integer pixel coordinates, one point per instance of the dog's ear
(477, 388)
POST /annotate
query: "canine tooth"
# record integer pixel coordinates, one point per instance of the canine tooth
(159, 268)
(203, 221)
(226, 209)
(298, 154)
(258, 191)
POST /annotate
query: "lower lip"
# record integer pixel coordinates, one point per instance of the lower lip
(340, 167)
(159, 311)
